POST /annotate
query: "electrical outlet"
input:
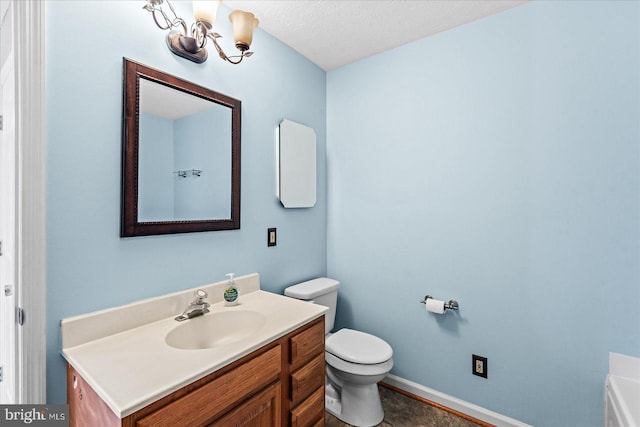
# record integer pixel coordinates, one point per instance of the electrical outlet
(271, 237)
(479, 366)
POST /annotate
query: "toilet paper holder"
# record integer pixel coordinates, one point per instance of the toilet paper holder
(451, 305)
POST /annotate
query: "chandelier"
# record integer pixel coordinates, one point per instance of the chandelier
(191, 44)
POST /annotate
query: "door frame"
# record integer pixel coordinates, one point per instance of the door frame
(29, 60)
(8, 228)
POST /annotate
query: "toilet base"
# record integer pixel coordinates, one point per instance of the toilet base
(355, 405)
(332, 402)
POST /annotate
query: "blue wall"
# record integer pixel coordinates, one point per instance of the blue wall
(497, 164)
(89, 267)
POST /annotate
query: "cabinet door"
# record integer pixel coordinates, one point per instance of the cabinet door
(262, 410)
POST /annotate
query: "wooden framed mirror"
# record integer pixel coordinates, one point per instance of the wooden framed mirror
(180, 155)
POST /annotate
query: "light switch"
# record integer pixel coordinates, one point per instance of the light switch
(271, 237)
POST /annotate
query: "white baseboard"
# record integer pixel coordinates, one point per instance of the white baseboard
(451, 402)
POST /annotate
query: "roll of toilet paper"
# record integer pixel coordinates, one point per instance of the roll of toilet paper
(434, 305)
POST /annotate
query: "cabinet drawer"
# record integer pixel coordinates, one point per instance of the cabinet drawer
(218, 396)
(259, 411)
(307, 344)
(307, 379)
(310, 411)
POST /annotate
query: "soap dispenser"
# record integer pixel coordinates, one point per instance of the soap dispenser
(231, 292)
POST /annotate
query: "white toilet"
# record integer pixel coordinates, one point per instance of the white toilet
(356, 361)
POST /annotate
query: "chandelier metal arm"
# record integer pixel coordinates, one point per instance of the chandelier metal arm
(213, 37)
(200, 31)
(156, 7)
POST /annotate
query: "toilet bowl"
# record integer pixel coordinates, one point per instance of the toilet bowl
(355, 361)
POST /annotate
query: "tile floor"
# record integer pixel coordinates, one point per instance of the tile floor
(403, 411)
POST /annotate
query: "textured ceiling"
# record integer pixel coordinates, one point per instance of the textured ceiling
(332, 33)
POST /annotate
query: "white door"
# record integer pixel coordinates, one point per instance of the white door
(8, 193)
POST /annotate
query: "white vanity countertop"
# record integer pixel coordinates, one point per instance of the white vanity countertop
(135, 367)
(623, 388)
(625, 396)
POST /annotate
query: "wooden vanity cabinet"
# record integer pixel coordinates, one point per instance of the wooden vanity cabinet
(278, 385)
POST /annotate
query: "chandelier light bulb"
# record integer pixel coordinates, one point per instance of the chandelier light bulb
(205, 10)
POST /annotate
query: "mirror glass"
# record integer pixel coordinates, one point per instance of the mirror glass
(184, 164)
(296, 158)
(181, 156)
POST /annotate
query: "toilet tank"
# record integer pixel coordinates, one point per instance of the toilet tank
(321, 291)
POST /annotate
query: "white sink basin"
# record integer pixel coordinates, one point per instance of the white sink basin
(215, 329)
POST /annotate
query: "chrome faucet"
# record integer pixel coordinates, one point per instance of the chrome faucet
(198, 307)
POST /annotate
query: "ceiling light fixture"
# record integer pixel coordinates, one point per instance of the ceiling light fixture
(192, 46)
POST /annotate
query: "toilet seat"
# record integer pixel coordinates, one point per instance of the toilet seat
(358, 347)
(357, 368)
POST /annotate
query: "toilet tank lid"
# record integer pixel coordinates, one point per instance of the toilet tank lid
(312, 288)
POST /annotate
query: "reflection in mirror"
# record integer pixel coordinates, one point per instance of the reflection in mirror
(184, 170)
(181, 148)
